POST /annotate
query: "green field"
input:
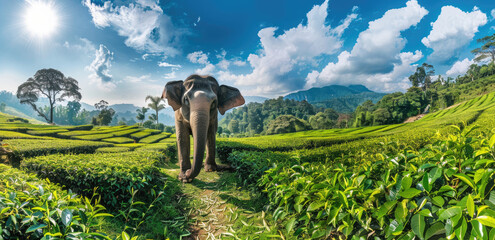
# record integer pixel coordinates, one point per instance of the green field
(429, 179)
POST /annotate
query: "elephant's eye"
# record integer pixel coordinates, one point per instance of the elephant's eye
(214, 104)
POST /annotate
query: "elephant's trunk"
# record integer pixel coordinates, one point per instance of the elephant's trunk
(199, 127)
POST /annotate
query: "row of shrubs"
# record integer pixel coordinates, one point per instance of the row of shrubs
(36, 147)
(115, 174)
(31, 208)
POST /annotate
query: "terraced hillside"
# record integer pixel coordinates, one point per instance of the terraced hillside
(429, 179)
(420, 179)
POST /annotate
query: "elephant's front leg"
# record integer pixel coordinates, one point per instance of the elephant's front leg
(183, 132)
(211, 165)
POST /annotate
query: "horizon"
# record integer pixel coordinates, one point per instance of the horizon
(125, 51)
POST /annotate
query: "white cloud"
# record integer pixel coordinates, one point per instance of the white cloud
(278, 64)
(171, 75)
(376, 59)
(239, 63)
(452, 30)
(207, 70)
(201, 58)
(166, 64)
(100, 68)
(143, 24)
(198, 57)
(493, 13)
(459, 67)
(83, 44)
(139, 79)
(147, 56)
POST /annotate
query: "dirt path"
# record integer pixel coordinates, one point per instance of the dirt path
(215, 206)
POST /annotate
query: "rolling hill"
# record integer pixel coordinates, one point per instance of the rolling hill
(340, 98)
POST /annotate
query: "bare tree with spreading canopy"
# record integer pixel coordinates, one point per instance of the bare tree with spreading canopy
(487, 50)
(49, 83)
(155, 104)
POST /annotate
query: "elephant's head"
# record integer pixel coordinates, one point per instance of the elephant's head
(198, 98)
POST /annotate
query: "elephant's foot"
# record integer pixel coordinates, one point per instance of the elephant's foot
(211, 167)
(183, 178)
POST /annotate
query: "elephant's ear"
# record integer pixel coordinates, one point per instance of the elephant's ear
(229, 97)
(173, 93)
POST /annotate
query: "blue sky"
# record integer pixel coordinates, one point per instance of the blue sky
(122, 51)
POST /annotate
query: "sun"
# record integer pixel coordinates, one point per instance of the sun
(41, 19)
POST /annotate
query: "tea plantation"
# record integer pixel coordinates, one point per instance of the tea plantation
(429, 179)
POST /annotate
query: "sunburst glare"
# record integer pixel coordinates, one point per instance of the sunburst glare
(41, 19)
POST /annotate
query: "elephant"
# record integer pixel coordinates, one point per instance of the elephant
(196, 102)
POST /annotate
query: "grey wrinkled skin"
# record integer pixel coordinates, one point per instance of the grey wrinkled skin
(196, 102)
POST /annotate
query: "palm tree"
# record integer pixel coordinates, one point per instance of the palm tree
(155, 104)
(141, 114)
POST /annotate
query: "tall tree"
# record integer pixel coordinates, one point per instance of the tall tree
(73, 109)
(422, 76)
(51, 84)
(106, 114)
(141, 114)
(487, 50)
(156, 103)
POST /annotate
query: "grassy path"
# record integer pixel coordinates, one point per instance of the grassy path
(217, 209)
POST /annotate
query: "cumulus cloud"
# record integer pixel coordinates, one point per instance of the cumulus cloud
(278, 64)
(239, 63)
(376, 59)
(143, 24)
(452, 30)
(198, 57)
(201, 58)
(493, 13)
(459, 67)
(166, 64)
(100, 68)
(171, 75)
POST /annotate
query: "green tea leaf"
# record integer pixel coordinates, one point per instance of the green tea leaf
(463, 177)
(35, 227)
(435, 229)
(410, 193)
(460, 231)
(406, 182)
(486, 220)
(470, 205)
(66, 217)
(125, 236)
(449, 213)
(479, 230)
(438, 200)
(418, 225)
(385, 208)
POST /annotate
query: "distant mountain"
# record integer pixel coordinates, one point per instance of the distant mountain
(258, 99)
(340, 98)
(124, 107)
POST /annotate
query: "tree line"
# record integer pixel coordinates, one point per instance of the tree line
(53, 85)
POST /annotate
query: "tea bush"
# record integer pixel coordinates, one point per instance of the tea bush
(119, 140)
(34, 209)
(36, 147)
(155, 138)
(442, 190)
(115, 174)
